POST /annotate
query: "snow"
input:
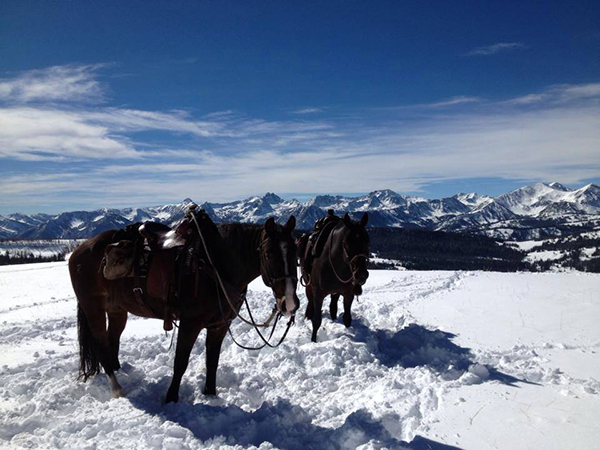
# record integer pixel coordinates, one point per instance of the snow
(544, 255)
(587, 253)
(524, 245)
(40, 247)
(76, 223)
(474, 360)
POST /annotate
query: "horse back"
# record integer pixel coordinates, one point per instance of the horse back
(323, 236)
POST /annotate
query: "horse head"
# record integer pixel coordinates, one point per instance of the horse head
(278, 263)
(356, 249)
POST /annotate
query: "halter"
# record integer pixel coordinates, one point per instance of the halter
(347, 260)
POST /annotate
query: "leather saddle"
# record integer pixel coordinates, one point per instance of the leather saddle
(161, 237)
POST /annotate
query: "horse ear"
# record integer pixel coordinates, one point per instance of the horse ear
(347, 220)
(290, 225)
(364, 219)
(270, 225)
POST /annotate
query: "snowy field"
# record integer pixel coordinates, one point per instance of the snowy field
(435, 360)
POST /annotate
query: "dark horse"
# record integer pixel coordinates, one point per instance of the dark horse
(239, 253)
(339, 269)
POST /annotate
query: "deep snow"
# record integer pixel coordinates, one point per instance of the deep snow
(439, 360)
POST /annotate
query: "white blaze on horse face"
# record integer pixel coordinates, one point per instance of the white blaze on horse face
(289, 286)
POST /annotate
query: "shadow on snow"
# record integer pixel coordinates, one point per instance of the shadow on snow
(282, 424)
(415, 346)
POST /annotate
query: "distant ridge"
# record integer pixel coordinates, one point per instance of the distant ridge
(536, 211)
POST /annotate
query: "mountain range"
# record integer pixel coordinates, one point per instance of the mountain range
(531, 212)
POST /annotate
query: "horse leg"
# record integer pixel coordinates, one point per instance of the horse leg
(317, 314)
(116, 324)
(333, 306)
(214, 339)
(309, 304)
(188, 333)
(92, 326)
(348, 298)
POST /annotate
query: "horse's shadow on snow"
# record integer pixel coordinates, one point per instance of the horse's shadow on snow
(282, 424)
(415, 346)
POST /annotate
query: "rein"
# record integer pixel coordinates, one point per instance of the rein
(346, 260)
(233, 307)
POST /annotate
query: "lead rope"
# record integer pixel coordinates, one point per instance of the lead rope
(265, 341)
(253, 323)
(333, 267)
(220, 281)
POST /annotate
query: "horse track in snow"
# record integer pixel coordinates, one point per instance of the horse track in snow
(381, 383)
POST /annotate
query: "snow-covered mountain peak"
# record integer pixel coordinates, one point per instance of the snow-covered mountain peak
(559, 186)
(326, 201)
(531, 211)
(272, 199)
(472, 199)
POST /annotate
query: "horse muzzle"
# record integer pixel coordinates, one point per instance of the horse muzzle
(288, 306)
(360, 277)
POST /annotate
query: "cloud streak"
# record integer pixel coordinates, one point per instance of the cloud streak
(500, 47)
(71, 83)
(102, 156)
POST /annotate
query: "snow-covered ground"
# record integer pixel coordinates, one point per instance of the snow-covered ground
(435, 360)
(38, 247)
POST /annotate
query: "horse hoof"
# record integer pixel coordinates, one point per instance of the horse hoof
(347, 321)
(172, 399)
(210, 392)
(117, 393)
(172, 396)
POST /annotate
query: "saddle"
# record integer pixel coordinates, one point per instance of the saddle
(161, 237)
(154, 252)
(311, 245)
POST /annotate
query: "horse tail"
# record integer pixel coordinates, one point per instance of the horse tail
(89, 364)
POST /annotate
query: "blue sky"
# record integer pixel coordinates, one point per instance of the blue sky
(141, 103)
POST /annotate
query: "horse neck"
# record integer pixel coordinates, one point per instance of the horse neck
(334, 249)
(244, 240)
(336, 238)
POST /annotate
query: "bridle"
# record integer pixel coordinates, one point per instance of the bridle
(264, 267)
(252, 322)
(349, 261)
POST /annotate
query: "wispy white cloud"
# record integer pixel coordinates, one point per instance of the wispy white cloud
(71, 83)
(308, 111)
(562, 93)
(461, 99)
(522, 145)
(98, 153)
(41, 134)
(496, 48)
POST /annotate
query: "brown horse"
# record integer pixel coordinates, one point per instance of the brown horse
(238, 253)
(339, 269)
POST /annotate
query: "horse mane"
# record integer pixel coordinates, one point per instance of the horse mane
(244, 238)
